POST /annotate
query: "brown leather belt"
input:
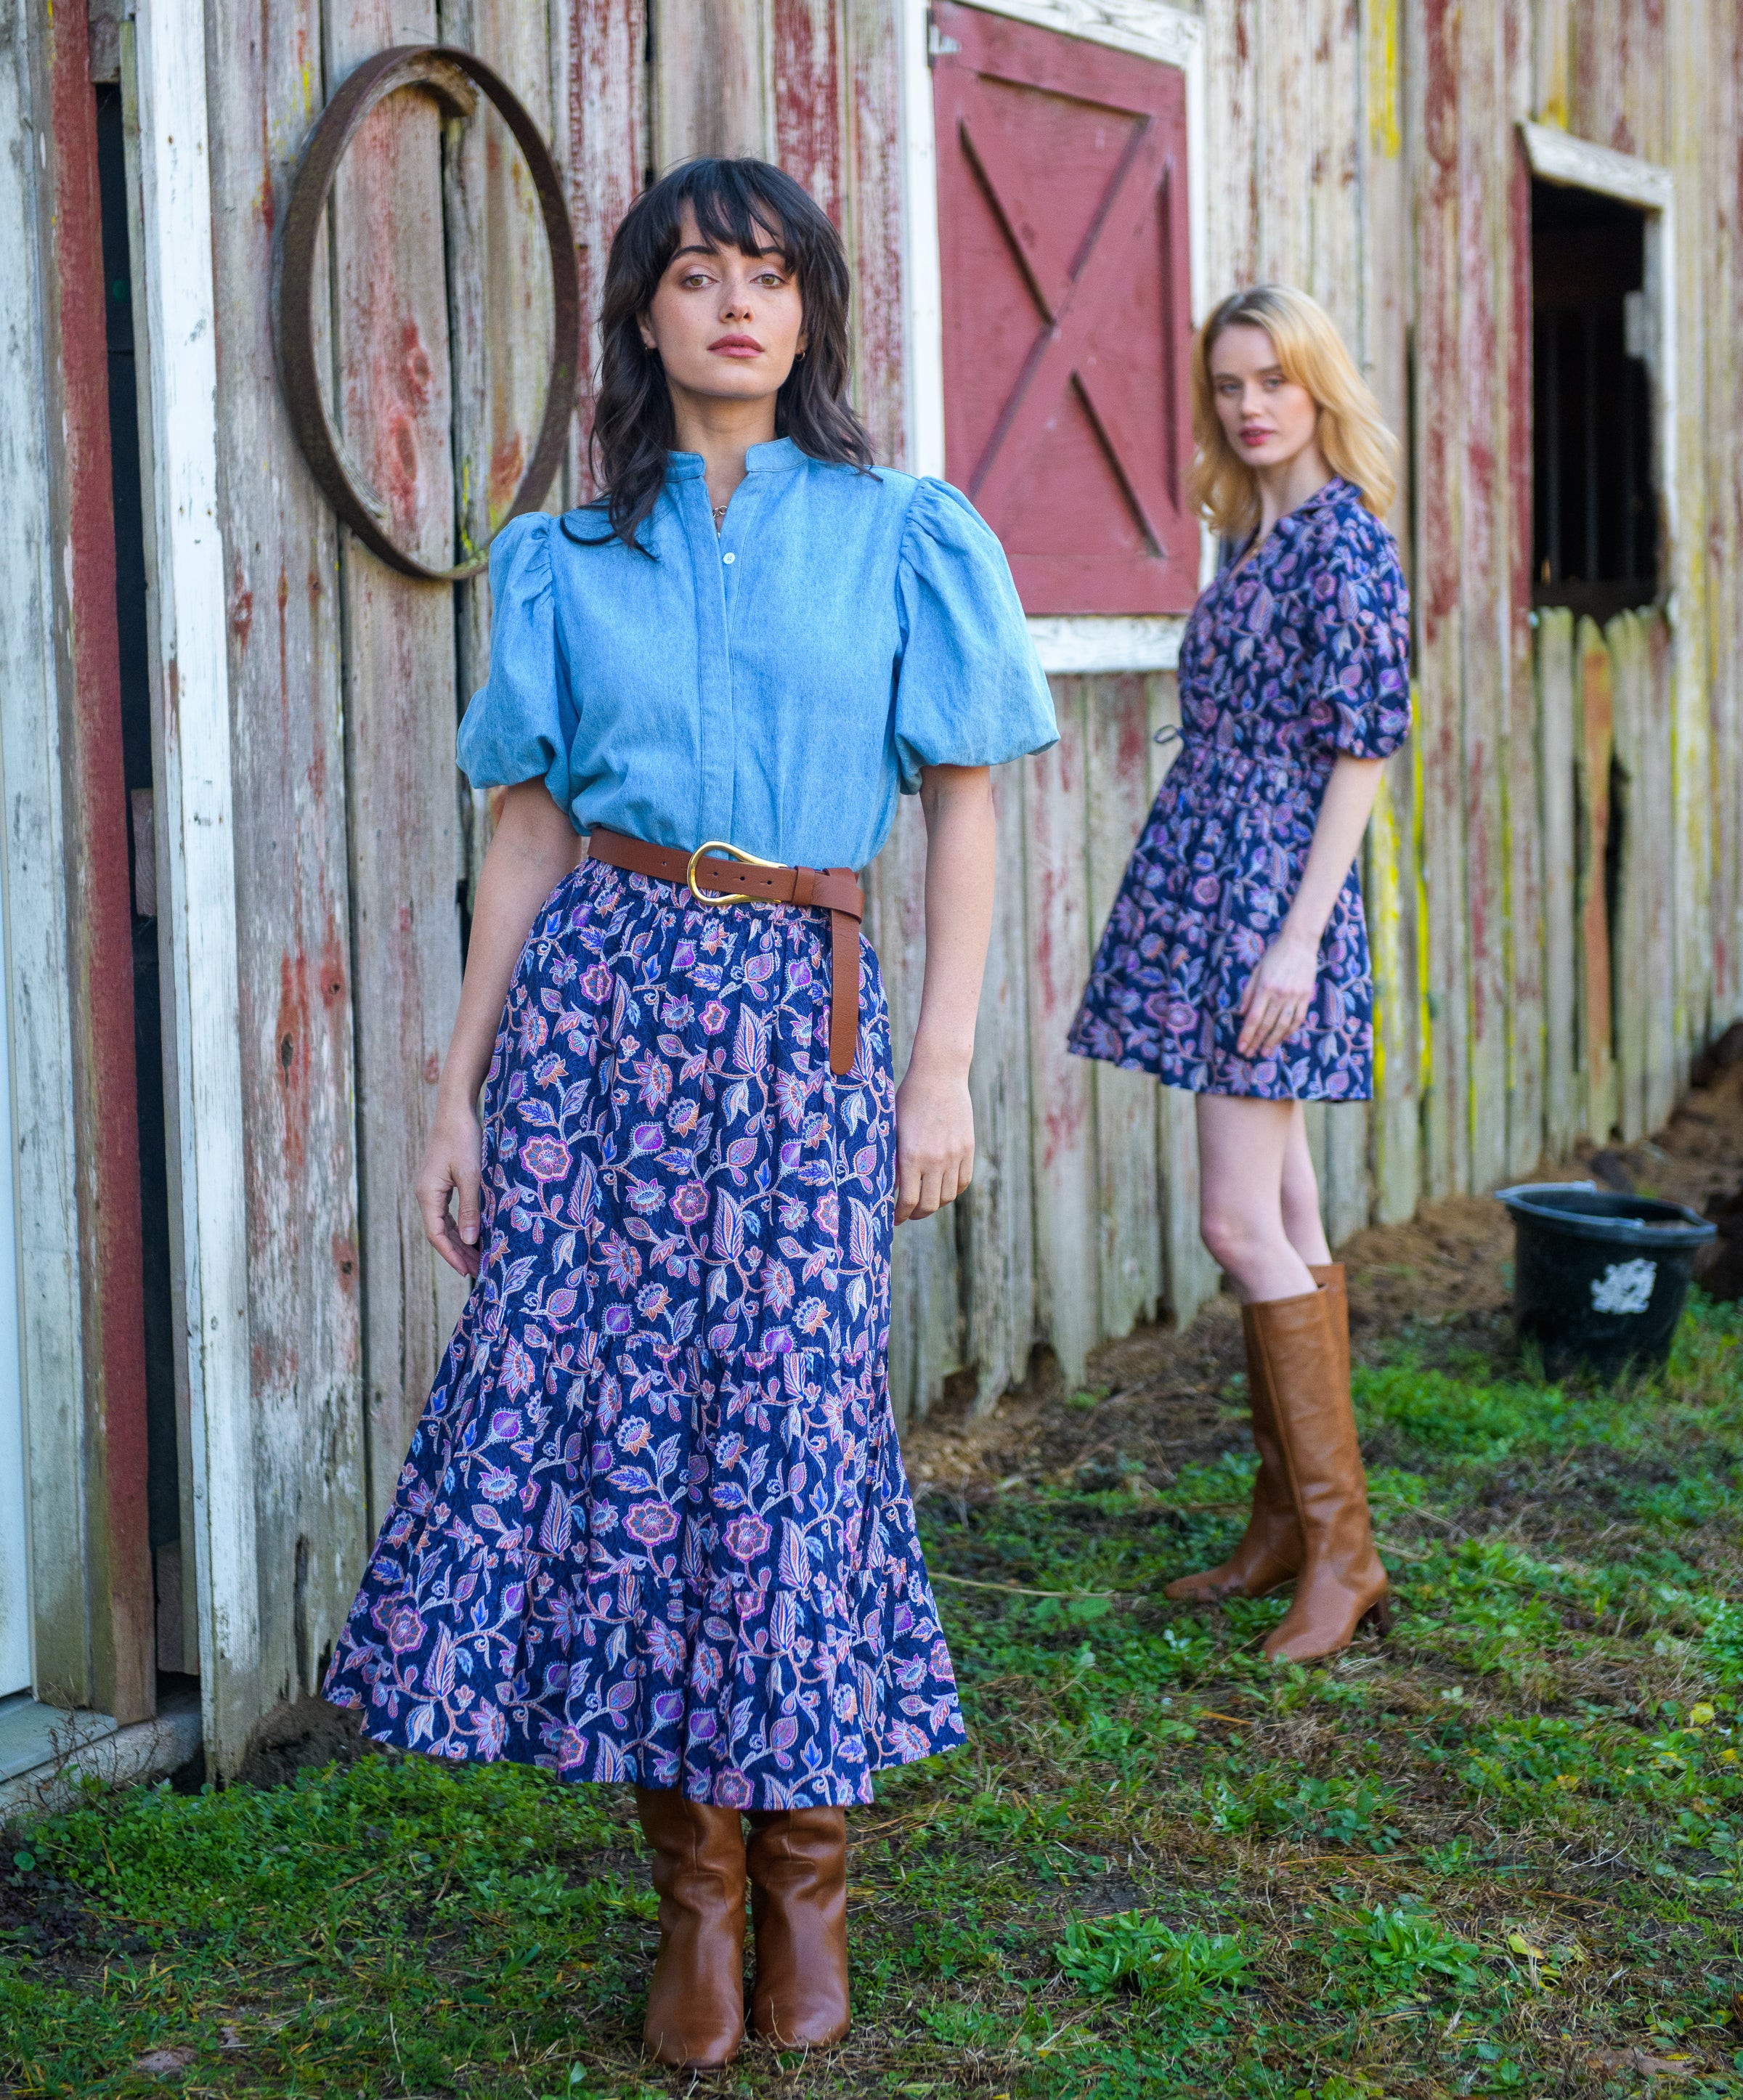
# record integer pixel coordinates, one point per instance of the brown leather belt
(717, 873)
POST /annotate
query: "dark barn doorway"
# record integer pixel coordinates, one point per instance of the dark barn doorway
(1595, 523)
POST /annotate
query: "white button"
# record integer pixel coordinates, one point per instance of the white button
(729, 559)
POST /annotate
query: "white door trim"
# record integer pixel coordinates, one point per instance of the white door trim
(1150, 29)
(177, 329)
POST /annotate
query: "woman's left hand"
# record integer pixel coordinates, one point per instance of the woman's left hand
(1278, 994)
(935, 1141)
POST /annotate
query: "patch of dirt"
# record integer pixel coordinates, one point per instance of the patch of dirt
(1171, 1397)
(304, 1732)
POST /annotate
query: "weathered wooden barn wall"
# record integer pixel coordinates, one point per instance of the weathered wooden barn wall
(1366, 148)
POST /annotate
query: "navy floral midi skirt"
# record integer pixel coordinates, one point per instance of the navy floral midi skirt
(653, 1525)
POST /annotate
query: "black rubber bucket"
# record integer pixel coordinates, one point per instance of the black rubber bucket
(1600, 1280)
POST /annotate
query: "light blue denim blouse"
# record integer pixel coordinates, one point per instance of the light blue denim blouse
(773, 686)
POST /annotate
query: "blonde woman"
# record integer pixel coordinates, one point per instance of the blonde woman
(1235, 962)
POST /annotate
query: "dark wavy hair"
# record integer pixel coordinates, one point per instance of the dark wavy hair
(744, 204)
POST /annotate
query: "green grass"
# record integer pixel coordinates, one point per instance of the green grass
(1501, 1854)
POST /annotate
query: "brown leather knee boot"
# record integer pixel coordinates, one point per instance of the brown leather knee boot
(1269, 1552)
(1342, 1583)
(797, 1863)
(695, 1998)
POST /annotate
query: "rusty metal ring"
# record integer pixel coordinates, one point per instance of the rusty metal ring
(446, 73)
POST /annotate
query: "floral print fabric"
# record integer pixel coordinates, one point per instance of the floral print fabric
(653, 1525)
(1292, 657)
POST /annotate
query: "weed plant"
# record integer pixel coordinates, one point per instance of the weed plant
(1498, 1854)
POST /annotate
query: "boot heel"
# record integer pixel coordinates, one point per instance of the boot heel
(1378, 1616)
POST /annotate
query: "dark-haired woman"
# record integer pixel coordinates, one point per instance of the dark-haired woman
(653, 1525)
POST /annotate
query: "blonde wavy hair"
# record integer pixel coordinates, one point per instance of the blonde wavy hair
(1352, 434)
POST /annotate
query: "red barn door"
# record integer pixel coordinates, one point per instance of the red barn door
(1063, 234)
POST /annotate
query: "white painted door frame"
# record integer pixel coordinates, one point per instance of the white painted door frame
(1147, 28)
(175, 330)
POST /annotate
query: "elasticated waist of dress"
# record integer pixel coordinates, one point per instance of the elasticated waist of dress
(717, 873)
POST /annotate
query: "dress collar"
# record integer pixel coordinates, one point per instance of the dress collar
(780, 456)
(1324, 494)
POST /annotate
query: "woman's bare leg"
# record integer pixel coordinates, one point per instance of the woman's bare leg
(1302, 1222)
(1242, 1147)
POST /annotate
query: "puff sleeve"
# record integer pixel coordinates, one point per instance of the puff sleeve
(970, 690)
(1362, 640)
(521, 725)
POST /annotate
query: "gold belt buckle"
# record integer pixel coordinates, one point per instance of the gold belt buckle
(723, 846)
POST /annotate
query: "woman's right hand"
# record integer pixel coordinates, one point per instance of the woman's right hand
(452, 1162)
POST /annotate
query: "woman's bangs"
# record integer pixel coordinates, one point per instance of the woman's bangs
(731, 212)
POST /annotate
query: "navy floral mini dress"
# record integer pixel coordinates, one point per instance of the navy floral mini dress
(1289, 659)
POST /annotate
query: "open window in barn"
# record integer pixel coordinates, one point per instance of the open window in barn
(1064, 253)
(164, 1493)
(1596, 538)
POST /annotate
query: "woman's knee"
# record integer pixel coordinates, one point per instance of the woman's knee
(1233, 1235)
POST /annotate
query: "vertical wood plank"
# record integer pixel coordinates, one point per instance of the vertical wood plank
(72, 371)
(1336, 274)
(499, 300)
(1066, 1241)
(925, 1323)
(995, 1234)
(1283, 73)
(1597, 729)
(1551, 61)
(1630, 817)
(1191, 1277)
(193, 764)
(1526, 1048)
(1557, 718)
(873, 222)
(712, 90)
(282, 639)
(395, 404)
(1231, 29)
(1440, 586)
(809, 132)
(1665, 1062)
(42, 1170)
(1117, 801)
(1484, 577)
(1391, 902)
(1723, 456)
(604, 102)
(1691, 41)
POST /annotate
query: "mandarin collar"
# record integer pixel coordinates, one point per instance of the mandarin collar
(779, 455)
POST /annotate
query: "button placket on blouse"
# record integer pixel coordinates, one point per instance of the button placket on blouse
(715, 738)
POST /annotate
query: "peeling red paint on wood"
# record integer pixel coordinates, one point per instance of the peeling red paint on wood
(809, 144)
(106, 1103)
